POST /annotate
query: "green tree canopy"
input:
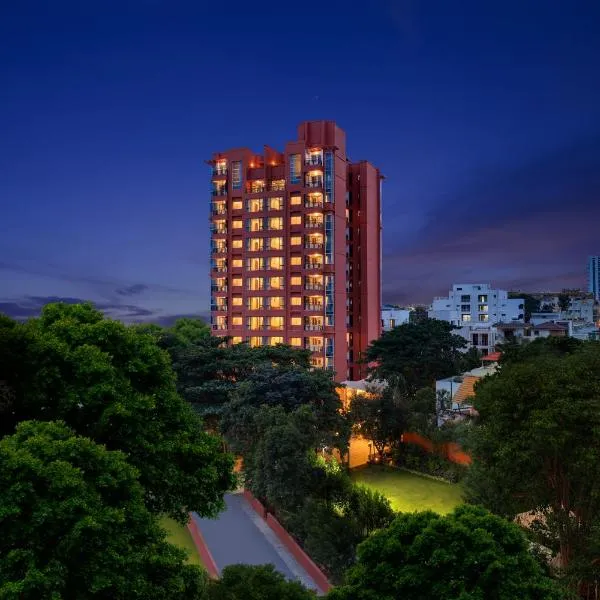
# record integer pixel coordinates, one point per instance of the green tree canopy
(418, 353)
(73, 524)
(535, 444)
(469, 554)
(113, 384)
(246, 582)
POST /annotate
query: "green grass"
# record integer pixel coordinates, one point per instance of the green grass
(408, 492)
(178, 535)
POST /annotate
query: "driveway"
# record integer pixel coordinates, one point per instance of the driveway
(239, 535)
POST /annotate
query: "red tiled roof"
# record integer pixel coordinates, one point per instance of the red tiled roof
(492, 357)
(551, 327)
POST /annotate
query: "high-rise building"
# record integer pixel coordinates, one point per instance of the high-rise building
(296, 248)
(594, 276)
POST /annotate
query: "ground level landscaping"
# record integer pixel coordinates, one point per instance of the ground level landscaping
(408, 492)
(178, 535)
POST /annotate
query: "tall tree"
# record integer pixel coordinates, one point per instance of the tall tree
(73, 524)
(113, 384)
(418, 353)
(535, 445)
(466, 555)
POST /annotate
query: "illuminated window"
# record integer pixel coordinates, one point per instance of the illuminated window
(237, 301)
(255, 283)
(296, 281)
(256, 341)
(275, 340)
(256, 303)
(276, 283)
(296, 260)
(255, 225)
(277, 322)
(296, 200)
(275, 203)
(296, 300)
(237, 224)
(484, 317)
(237, 321)
(296, 220)
(276, 303)
(238, 243)
(275, 243)
(237, 263)
(237, 205)
(257, 186)
(295, 341)
(254, 323)
(295, 240)
(255, 244)
(275, 223)
(236, 340)
(278, 185)
(236, 282)
(296, 321)
(276, 263)
(483, 308)
(466, 317)
(255, 264)
(256, 205)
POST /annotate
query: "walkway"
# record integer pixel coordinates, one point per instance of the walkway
(239, 535)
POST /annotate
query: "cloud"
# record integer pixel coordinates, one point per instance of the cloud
(132, 290)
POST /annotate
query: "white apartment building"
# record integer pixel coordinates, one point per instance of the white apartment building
(474, 309)
(393, 316)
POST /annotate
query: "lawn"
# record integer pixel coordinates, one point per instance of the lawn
(178, 535)
(408, 492)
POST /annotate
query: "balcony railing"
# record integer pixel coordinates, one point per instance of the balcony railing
(313, 327)
(219, 171)
(218, 288)
(314, 348)
(219, 230)
(218, 210)
(219, 307)
(256, 189)
(313, 159)
(314, 307)
(314, 286)
(221, 191)
(313, 203)
(218, 250)
(277, 186)
(219, 327)
(314, 183)
(275, 327)
(220, 269)
(313, 245)
(313, 224)
(313, 265)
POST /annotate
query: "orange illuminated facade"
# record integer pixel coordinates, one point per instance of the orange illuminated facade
(296, 248)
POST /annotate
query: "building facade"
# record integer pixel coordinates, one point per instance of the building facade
(393, 316)
(296, 248)
(594, 276)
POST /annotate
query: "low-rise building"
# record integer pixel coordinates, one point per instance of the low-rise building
(524, 332)
(394, 316)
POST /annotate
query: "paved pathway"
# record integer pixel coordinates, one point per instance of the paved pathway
(239, 535)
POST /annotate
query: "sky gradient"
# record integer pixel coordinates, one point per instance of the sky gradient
(483, 117)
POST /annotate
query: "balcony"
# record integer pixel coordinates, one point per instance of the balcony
(219, 327)
(256, 188)
(313, 327)
(314, 348)
(219, 171)
(313, 265)
(218, 307)
(218, 210)
(219, 269)
(313, 307)
(314, 182)
(310, 224)
(219, 191)
(313, 245)
(219, 230)
(277, 185)
(314, 286)
(218, 288)
(315, 160)
(312, 203)
(218, 250)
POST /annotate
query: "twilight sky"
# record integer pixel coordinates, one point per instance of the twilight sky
(484, 118)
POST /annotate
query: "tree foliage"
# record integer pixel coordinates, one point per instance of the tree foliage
(418, 353)
(73, 524)
(112, 383)
(535, 445)
(466, 555)
(262, 582)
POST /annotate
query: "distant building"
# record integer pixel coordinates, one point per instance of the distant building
(473, 309)
(394, 316)
(523, 332)
(594, 276)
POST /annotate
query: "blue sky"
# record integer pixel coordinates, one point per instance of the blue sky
(484, 118)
